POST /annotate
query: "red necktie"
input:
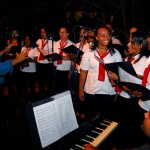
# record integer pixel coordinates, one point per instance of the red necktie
(41, 57)
(145, 77)
(59, 62)
(101, 75)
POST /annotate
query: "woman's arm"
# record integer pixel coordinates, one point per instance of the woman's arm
(82, 79)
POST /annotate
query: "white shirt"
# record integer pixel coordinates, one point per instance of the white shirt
(92, 84)
(66, 64)
(146, 104)
(84, 48)
(33, 52)
(47, 49)
(139, 68)
(116, 41)
(148, 80)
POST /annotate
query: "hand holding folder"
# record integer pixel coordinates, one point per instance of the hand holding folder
(136, 90)
(73, 51)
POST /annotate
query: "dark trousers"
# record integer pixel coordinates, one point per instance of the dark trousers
(128, 111)
(62, 82)
(1, 92)
(14, 83)
(130, 117)
(79, 105)
(45, 76)
(28, 84)
(99, 103)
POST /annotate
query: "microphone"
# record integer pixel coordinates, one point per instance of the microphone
(86, 28)
(50, 36)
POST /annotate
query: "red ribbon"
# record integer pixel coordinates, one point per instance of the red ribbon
(101, 75)
(41, 57)
(145, 76)
(59, 62)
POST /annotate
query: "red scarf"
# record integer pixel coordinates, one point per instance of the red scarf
(145, 76)
(101, 75)
(41, 57)
(28, 49)
(59, 62)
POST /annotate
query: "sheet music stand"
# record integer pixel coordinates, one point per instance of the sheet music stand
(49, 120)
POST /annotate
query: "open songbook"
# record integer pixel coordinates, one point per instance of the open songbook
(113, 67)
(127, 66)
(136, 90)
(133, 85)
(72, 49)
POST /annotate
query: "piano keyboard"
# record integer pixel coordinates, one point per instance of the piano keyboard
(96, 135)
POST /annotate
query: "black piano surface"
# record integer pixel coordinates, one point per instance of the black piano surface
(118, 138)
(15, 133)
(85, 129)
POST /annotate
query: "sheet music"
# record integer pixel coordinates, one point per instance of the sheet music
(55, 119)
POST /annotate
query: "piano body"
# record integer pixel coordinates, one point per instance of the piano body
(94, 131)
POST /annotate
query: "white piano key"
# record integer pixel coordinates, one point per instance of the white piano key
(95, 132)
(102, 130)
(103, 124)
(99, 128)
(98, 140)
(90, 137)
(85, 141)
(79, 146)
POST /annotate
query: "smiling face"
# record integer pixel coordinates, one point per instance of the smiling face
(103, 37)
(133, 49)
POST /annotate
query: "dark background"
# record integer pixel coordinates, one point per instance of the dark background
(29, 15)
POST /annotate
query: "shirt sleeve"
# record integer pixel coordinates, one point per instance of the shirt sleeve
(5, 67)
(85, 61)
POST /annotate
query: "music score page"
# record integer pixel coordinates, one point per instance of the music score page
(55, 119)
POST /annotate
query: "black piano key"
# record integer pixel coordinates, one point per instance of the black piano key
(75, 148)
(100, 130)
(108, 120)
(101, 126)
(82, 142)
(79, 146)
(88, 139)
(107, 123)
(91, 134)
(97, 130)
